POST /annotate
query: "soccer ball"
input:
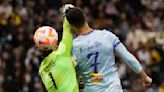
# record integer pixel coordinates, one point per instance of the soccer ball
(45, 38)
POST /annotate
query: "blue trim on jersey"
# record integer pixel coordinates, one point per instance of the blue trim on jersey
(87, 33)
(117, 44)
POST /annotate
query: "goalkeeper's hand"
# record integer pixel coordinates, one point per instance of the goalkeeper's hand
(64, 8)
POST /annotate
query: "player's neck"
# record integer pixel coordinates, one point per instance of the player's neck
(84, 30)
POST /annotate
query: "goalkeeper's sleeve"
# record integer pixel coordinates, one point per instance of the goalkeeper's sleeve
(65, 46)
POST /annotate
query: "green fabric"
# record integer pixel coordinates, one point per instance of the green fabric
(66, 42)
(57, 70)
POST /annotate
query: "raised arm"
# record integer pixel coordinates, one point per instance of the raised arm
(65, 45)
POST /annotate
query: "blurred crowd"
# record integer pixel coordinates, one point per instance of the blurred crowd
(131, 20)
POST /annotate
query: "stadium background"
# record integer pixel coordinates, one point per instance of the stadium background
(138, 23)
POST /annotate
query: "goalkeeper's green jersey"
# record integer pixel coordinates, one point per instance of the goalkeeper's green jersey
(56, 70)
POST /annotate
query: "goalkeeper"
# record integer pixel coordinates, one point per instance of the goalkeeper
(56, 70)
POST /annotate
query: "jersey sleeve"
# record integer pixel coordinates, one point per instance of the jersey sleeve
(65, 45)
(125, 55)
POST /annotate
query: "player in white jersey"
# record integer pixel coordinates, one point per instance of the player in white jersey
(95, 52)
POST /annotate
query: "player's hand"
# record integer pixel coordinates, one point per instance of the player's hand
(147, 81)
(64, 8)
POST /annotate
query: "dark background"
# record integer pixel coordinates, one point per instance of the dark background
(139, 24)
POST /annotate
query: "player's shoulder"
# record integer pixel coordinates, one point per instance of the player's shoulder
(95, 32)
(105, 32)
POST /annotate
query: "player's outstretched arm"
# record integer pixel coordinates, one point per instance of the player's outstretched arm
(65, 45)
(133, 63)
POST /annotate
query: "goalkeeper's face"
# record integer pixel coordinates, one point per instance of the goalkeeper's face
(45, 52)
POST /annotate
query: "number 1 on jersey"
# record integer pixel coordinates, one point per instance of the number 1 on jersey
(94, 65)
(54, 83)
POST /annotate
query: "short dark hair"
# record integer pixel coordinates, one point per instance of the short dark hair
(75, 17)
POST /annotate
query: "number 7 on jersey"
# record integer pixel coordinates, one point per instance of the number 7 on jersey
(94, 65)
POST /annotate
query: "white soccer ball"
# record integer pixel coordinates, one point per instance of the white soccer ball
(45, 38)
